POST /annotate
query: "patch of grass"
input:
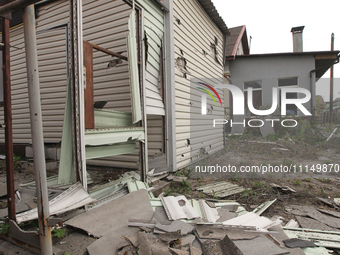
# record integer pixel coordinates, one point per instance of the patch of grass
(273, 137)
(297, 182)
(16, 161)
(185, 172)
(307, 179)
(4, 228)
(200, 195)
(258, 185)
(181, 188)
(287, 162)
(58, 232)
(310, 186)
(186, 185)
(246, 193)
(168, 192)
(214, 195)
(324, 180)
(322, 192)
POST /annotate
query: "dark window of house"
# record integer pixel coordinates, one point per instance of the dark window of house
(291, 109)
(288, 82)
(253, 84)
(257, 93)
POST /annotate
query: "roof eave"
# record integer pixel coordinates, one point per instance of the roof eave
(210, 9)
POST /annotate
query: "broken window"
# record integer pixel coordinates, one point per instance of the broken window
(257, 94)
(291, 109)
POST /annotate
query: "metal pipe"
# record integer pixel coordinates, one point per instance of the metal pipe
(331, 94)
(37, 130)
(312, 90)
(81, 89)
(15, 5)
(169, 47)
(8, 118)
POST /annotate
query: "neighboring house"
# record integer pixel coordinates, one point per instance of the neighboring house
(236, 44)
(262, 72)
(177, 41)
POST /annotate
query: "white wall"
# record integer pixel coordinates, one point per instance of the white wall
(194, 34)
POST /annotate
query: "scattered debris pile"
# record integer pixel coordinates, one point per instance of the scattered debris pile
(140, 223)
(125, 217)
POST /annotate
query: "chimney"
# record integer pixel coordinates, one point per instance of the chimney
(297, 38)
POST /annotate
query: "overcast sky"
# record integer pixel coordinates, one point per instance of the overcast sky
(269, 23)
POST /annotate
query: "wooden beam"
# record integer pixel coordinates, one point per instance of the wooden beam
(106, 51)
(88, 94)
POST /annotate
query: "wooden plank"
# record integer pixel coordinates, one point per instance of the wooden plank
(107, 51)
(88, 94)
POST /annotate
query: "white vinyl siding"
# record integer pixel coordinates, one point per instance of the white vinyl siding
(154, 30)
(51, 47)
(193, 35)
(105, 23)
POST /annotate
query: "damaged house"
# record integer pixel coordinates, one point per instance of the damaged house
(137, 97)
(262, 72)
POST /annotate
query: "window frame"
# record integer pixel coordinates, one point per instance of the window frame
(246, 91)
(288, 86)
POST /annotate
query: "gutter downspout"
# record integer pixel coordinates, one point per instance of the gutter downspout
(223, 66)
(169, 43)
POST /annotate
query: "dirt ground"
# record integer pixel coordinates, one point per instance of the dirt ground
(316, 161)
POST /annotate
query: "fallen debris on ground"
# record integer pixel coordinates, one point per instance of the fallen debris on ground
(220, 189)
